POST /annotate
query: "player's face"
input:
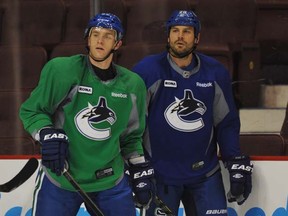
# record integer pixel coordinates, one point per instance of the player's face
(181, 39)
(101, 41)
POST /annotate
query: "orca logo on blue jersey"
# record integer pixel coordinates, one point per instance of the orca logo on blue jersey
(177, 110)
(88, 118)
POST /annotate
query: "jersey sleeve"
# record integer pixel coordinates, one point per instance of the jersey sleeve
(37, 111)
(226, 118)
(131, 138)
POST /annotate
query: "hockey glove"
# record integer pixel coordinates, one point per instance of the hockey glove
(240, 169)
(54, 149)
(143, 185)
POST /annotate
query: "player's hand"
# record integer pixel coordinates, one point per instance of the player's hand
(54, 149)
(240, 170)
(143, 184)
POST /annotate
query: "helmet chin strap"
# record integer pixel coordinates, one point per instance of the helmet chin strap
(105, 57)
(180, 55)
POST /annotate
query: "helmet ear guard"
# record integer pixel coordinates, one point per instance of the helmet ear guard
(184, 18)
(105, 20)
(197, 39)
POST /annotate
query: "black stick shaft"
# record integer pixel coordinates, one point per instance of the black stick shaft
(142, 211)
(163, 206)
(25, 173)
(88, 201)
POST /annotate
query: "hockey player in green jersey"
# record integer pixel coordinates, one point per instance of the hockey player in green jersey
(89, 113)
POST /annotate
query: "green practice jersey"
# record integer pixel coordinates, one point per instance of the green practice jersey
(104, 121)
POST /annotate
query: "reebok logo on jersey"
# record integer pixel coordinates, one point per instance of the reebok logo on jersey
(119, 95)
(85, 89)
(170, 83)
(204, 85)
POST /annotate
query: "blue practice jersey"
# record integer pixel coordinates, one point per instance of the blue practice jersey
(189, 113)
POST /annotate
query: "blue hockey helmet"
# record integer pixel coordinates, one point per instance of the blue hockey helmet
(105, 20)
(184, 18)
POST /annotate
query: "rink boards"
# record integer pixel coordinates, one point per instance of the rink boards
(269, 196)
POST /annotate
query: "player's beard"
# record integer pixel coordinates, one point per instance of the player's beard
(180, 54)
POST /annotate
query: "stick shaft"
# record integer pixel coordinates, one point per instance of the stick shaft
(24, 174)
(163, 206)
(88, 201)
(142, 212)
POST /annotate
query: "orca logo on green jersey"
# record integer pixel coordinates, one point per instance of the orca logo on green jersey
(89, 119)
(177, 113)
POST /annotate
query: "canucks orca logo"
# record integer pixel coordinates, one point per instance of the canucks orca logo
(87, 119)
(180, 108)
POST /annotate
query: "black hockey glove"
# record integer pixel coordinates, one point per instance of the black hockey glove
(240, 169)
(54, 149)
(143, 185)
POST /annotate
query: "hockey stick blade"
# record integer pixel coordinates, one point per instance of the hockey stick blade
(163, 206)
(87, 200)
(159, 203)
(25, 173)
(142, 212)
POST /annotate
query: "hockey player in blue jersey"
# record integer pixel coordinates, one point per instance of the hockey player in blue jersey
(191, 114)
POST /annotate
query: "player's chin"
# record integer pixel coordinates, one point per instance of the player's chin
(179, 51)
(99, 55)
(180, 48)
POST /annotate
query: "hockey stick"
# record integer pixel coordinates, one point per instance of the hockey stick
(88, 201)
(160, 204)
(163, 206)
(25, 173)
(142, 212)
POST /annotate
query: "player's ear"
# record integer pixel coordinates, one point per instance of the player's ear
(88, 42)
